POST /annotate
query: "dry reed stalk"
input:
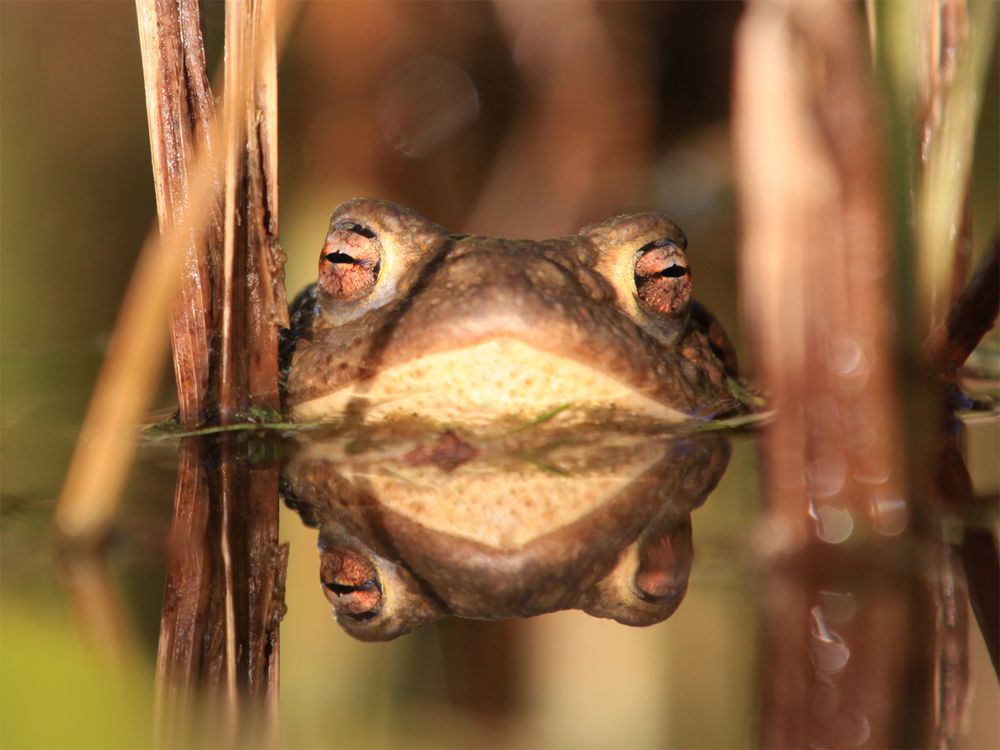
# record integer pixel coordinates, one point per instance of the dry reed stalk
(949, 25)
(130, 372)
(253, 308)
(180, 108)
(184, 166)
(182, 622)
(871, 17)
(815, 261)
(98, 610)
(252, 279)
(814, 264)
(582, 180)
(956, 41)
(814, 273)
(224, 598)
(838, 651)
(976, 547)
(225, 583)
(970, 317)
(267, 565)
(188, 252)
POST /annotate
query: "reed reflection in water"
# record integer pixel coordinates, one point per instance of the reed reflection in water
(862, 646)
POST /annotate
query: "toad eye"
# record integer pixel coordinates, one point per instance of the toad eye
(662, 278)
(351, 583)
(350, 262)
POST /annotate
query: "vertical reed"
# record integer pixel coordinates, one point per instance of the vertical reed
(815, 260)
(226, 307)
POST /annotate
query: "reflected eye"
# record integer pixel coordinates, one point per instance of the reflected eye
(662, 278)
(350, 262)
(351, 583)
(665, 563)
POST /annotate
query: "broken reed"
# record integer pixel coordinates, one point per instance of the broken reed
(225, 308)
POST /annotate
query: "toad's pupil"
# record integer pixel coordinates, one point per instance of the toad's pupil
(673, 272)
(345, 258)
(662, 280)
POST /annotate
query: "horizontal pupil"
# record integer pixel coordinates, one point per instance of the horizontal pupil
(345, 258)
(673, 272)
(352, 261)
(341, 589)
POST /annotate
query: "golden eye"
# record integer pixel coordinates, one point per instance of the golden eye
(350, 262)
(662, 277)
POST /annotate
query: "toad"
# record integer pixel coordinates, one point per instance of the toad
(410, 320)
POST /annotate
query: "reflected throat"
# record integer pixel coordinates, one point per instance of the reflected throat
(505, 508)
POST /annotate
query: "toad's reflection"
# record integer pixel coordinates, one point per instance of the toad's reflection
(412, 533)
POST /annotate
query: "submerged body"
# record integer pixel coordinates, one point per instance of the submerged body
(408, 320)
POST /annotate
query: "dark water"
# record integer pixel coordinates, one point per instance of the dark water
(849, 645)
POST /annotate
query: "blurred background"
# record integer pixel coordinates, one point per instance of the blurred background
(515, 119)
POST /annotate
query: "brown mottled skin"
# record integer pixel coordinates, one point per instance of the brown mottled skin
(574, 296)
